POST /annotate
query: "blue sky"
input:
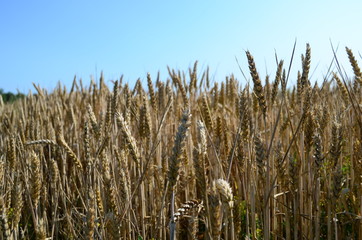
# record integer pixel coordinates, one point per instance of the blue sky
(49, 41)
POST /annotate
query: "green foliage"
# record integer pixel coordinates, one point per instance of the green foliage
(346, 167)
(10, 97)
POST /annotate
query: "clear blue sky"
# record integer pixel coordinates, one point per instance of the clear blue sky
(49, 41)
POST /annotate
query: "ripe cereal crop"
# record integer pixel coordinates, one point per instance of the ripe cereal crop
(186, 157)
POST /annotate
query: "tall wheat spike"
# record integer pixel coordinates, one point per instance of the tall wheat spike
(356, 69)
(130, 140)
(258, 88)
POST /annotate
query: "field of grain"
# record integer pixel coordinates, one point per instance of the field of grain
(186, 158)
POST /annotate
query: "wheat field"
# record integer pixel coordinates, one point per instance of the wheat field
(186, 158)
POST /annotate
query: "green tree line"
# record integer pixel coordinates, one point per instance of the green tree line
(9, 96)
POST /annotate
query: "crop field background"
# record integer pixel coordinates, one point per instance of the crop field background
(186, 158)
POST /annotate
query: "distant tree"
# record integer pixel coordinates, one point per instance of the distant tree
(10, 97)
